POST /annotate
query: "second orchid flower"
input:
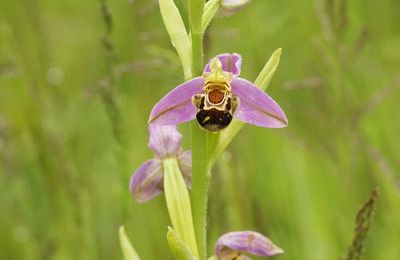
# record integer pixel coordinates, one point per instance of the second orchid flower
(148, 180)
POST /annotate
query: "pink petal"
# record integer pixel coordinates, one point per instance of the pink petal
(165, 140)
(147, 181)
(176, 107)
(256, 107)
(245, 241)
(230, 63)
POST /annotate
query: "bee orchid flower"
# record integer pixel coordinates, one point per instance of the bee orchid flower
(148, 180)
(232, 245)
(218, 96)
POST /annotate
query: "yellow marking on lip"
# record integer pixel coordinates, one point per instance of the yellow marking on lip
(206, 119)
(223, 85)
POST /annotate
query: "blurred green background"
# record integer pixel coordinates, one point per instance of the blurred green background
(79, 78)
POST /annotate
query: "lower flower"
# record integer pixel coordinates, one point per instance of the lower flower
(232, 245)
(148, 180)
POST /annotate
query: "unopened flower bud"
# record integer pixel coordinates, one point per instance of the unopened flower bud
(230, 7)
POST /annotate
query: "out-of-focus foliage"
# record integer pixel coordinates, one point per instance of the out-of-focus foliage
(79, 78)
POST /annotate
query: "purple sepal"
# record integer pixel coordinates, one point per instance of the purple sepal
(176, 107)
(185, 164)
(164, 140)
(147, 181)
(230, 63)
(256, 107)
(245, 242)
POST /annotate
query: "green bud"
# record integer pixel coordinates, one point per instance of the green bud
(230, 7)
(178, 247)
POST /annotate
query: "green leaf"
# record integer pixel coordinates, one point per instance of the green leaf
(177, 33)
(210, 9)
(126, 246)
(178, 203)
(264, 78)
(178, 247)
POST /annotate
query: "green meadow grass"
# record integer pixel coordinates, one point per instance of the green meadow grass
(79, 78)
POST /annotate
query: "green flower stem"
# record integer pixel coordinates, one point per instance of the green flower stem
(196, 8)
(197, 48)
(212, 140)
(178, 203)
(200, 165)
(200, 183)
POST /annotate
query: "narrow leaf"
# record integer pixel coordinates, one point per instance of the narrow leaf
(210, 9)
(264, 78)
(177, 33)
(178, 203)
(126, 246)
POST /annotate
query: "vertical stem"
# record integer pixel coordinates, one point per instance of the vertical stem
(200, 183)
(196, 8)
(200, 171)
(197, 49)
